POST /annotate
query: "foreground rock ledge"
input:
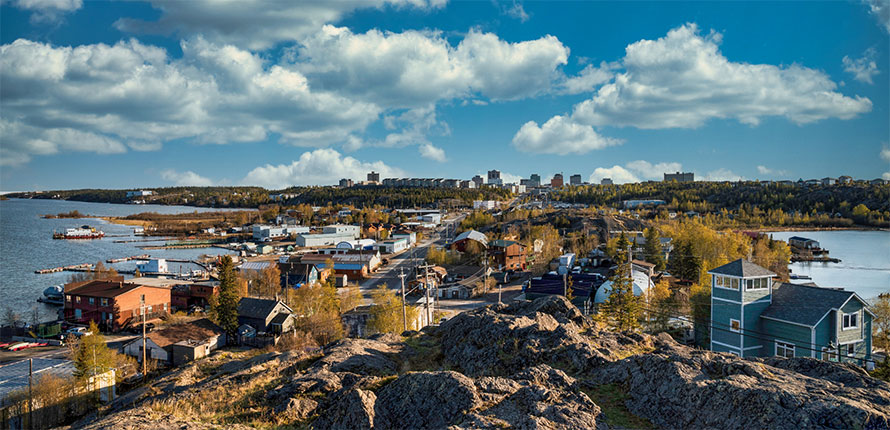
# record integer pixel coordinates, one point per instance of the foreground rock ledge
(538, 364)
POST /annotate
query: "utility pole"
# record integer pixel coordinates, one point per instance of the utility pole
(404, 310)
(30, 393)
(144, 364)
(426, 284)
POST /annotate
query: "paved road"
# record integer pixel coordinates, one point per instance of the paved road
(406, 261)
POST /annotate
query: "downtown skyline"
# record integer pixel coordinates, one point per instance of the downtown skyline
(151, 94)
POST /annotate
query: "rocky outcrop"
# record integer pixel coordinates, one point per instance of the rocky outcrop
(538, 364)
(676, 386)
(425, 400)
(503, 340)
(352, 410)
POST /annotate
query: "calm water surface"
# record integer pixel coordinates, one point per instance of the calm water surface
(26, 244)
(865, 260)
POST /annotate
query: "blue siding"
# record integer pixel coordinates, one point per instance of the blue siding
(753, 326)
(798, 335)
(721, 314)
(824, 335)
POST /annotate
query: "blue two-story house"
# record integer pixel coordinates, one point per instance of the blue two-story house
(754, 316)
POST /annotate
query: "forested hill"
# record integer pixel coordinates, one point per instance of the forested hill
(252, 197)
(860, 202)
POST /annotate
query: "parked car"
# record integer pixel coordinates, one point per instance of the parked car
(77, 332)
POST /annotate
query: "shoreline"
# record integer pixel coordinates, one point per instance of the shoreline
(781, 229)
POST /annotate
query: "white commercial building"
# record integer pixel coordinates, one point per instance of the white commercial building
(392, 246)
(432, 218)
(353, 230)
(262, 232)
(155, 265)
(411, 237)
(322, 239)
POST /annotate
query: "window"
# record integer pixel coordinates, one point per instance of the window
(735, 326)
(851, 349)
(735, 284)
(749, 284)
(92, 301)
(718, 281)
(104, 302)
(77, 299)
(68, 297)
(78, 314)
(851, 321)
(784, 349)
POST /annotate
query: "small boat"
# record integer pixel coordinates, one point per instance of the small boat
(84, 232)
(54, 295)
(799, 277)
(15, 346)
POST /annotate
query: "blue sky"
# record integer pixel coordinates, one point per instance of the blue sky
(130, 94)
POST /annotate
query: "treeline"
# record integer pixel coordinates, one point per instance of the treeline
(253, 197)
(392, 197)
(752, 203)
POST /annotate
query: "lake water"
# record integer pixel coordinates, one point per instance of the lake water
(26, 245)
(865, 260)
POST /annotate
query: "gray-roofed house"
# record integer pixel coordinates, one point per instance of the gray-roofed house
(265, 315)
(754, 316)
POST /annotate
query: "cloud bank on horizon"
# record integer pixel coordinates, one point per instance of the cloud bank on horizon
(293, 74)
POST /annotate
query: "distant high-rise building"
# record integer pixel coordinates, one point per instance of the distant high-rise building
(606, 181)
(478, 181)
(373, 177)
(679, 177)
(494, 177)
(575, 180)
(345, 183)
(534, 180)
(556, 182)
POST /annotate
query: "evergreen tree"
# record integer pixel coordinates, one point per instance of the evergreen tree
(684, 263)
(225, 307)
(652, 249)
(91, 356)
(622, 309)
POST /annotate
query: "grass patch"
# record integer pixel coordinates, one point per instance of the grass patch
(612, 398)
(423, 353)
(380, 383)
(635, 350)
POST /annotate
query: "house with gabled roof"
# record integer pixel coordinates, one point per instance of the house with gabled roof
(753, 315)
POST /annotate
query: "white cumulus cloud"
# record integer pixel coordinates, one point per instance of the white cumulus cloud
(323, 166)
(862, 69)
(721, 175)
(253, 24)
(881, 11)
(560, 135)
(635, 171)
(763, 170)
(47, 11)
(683, 80)
(427, 150)
(187, 178)
(134, 93)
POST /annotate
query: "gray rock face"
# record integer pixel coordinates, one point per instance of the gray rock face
(425, 400)
(352, 410)
(295, 409)
(502, 340)
(362, 356)
(679, 387)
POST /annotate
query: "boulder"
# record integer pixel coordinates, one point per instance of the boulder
(361, 356)
(676, 386)
(352, 410)
(295, 409)
(426, 400)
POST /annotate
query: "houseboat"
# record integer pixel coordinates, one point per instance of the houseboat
(84, 232)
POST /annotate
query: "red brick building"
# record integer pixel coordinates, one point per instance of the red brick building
(114, 303)
(184, 296)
